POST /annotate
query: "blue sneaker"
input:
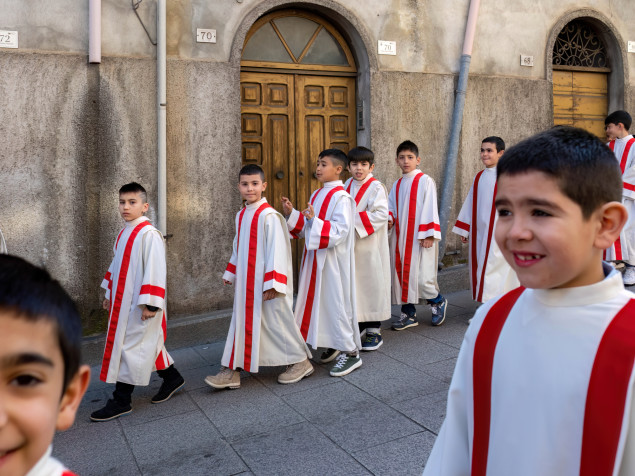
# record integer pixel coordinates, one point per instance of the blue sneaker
(373, 341)
(438, 312)
(404, 322)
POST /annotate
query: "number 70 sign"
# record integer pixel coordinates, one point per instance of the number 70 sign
(8, 39)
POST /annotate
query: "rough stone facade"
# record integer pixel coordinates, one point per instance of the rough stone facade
(73, 132)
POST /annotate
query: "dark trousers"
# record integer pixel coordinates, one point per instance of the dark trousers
(409, 308)
(123, 391)
(369, 325)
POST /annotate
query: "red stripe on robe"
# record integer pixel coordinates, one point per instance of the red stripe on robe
(281, 278)
(623, 160)
(484, 349)
(240, 223)
(116, 302)
(410, 237)
(430, 226)
(368, 226)
(153, 290)
(462, 225)
(490, 231)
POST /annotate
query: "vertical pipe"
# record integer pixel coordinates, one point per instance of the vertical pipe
(94, 31)
(455, 131)
(161, 116)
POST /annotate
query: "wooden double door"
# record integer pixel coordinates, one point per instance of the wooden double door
(287, 120)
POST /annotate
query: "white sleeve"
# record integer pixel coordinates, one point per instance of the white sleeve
(276, 255)
(375, 216)
(429, 220)
(330, 233)
(152, 290)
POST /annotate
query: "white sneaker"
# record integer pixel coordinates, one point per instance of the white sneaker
(629, 276)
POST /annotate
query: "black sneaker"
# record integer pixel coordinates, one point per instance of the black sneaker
(111, 411)
(328, 355)
(168, 388)
(404, 322)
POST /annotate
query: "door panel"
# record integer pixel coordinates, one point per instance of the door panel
(580, 99)
(268, 129)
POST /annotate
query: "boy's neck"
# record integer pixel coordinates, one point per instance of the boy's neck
(255, 201)
(364, 179)
(336, 179)
(622, 134)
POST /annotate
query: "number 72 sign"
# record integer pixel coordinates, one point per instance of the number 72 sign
(8, 39)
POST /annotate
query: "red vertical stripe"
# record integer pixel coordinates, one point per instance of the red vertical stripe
(397, 254)
(308, 305)
(623, 160)
(368, 226)
(473, 231)
(324, 235)
(362, 190)
(606, 397)
(484, 349)
(410, 237)
(490, 231)
(240, 223)
(116, 302)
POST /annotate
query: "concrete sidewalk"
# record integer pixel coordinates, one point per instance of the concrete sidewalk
(381, 419)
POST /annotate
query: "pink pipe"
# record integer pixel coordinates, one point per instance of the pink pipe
(94, 31)
(470, 28)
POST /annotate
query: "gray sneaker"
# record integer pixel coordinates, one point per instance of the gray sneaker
(345, 365)
(296, 372)
(226, 378)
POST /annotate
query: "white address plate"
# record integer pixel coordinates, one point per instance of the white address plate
(8, 39)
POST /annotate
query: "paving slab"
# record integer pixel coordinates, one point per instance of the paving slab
(451, 332)
(429, 412)
(184, 444)
(294, 450)
(417, 350)
(250, 410)
(442, 370)
(402, 457)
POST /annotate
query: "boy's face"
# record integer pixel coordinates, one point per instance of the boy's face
(32, 406)
(251, 187)
(131, 205)
(615, 131)
(543, 234)
(326, 170)
(360, 170)
(489, 155)
(407, 161)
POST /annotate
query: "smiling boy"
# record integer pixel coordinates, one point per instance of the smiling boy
(135, 298)
(262, 330)
(544, 379)
(490, 275)
(326, 307)
(41, 381)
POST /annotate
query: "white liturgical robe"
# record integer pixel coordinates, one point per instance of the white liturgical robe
(325, 308)
(412, 206)
(262, 332)
(490, 275)
(49, 466)
(544, 386)
(136, 277)
(372, 257)
(624, 247)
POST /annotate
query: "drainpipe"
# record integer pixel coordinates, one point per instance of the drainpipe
(94, 31)
(455, 131)
(161, 116)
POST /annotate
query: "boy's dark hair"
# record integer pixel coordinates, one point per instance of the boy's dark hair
(252, 169)
(30, 293)
(585, 168)
(408, 146)
(361, 154)
(497, 141)
(619, 117)
(134, 187)
(337, 156)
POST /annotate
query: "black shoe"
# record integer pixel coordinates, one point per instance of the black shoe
(111, 411)
(168, 388)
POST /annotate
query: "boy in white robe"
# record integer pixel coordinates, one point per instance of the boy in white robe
(413, 217)
(490, 275)
(42, 380)
(135, 298)
(623, 146)
(262, 330)
(326, 306)
(544, 380)
(372, 258)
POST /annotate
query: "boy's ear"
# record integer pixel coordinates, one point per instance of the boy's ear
(372, 167)
(146, 206)
(612, 216)
(264, 186)
(72, 398)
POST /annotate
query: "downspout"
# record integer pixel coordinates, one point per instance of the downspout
(94, 31)
(161, 116)
(455, 131)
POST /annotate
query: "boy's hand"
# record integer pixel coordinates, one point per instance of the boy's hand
(269, 294)
(309, 213)
(106, 304)
(287, 206)
(427, 242)
(464, 239)
(225, 282)
(390, 223)
(147, 314)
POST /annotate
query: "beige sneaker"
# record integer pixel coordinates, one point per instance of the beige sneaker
(226, 378)
(296, 372)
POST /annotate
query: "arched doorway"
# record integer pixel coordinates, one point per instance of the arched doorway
(297, 90)
(581, 69)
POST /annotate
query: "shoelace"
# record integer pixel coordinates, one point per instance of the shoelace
(341, 360)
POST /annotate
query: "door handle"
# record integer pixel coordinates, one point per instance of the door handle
(301, 174)
(280, 174)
